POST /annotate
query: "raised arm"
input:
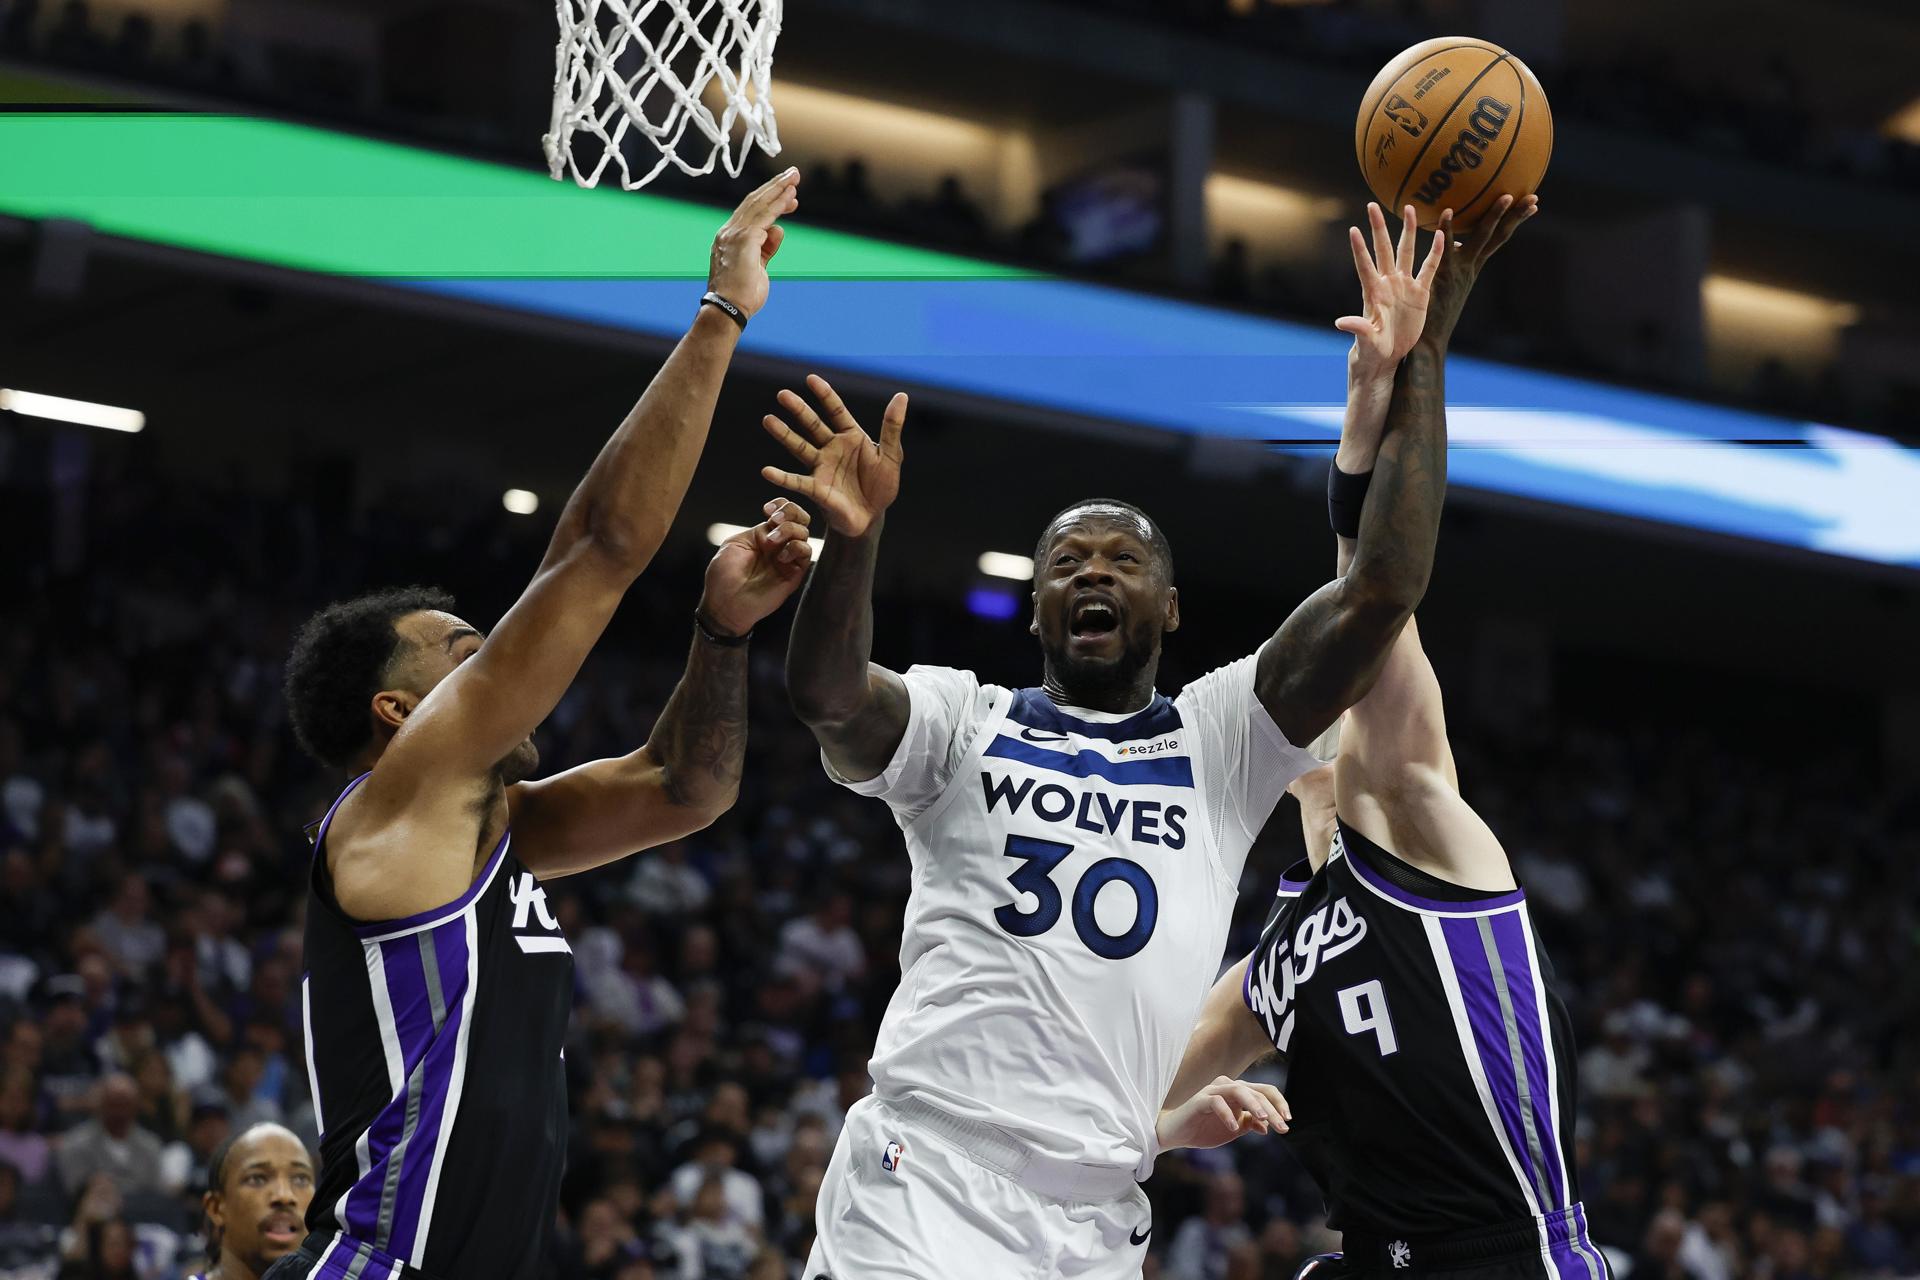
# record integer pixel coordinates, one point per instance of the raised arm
(1394, 777)
(1206, 1104)
(1327, 654)
(856, 709)
(438, 771)
(688, 773)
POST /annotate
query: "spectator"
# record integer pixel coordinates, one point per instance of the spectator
(1203, 1245)
(664, 885)
(714, 1157)
(24, 1245)
(824, 943)
(134, 941)
(113, 1143)
(23, 1148)
(724, 1245)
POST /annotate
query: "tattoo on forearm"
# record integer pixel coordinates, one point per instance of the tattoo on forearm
(701, 736)
(1319, 664)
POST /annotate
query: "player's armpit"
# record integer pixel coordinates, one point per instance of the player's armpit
(1417, 814)
(598, 813)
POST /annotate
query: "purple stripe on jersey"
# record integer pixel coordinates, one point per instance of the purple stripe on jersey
(1509, 932)
(1296, 879)
(376, 928)
(406, 990)
(1482, 1000)
(450, 957)
(1472, 906)
(1572, 1254)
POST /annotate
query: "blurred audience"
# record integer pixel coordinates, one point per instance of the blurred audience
(1735, 928)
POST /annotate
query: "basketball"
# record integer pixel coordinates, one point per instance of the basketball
(1453, 123)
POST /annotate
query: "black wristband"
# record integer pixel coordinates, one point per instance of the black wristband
(733, 313)
(1346, 495)
(719, 638)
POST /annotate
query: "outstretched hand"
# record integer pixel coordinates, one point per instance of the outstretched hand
(737, 270)
(1466, 257)
(1223, 1111)
(1396, 298)
(853, 477)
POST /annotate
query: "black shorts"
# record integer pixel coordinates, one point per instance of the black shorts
(1510, 1251)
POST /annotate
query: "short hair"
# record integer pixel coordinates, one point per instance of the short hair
(340, 659)
(1157, 538)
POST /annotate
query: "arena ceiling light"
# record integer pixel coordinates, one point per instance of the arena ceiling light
(1005, 564)
(82, 413)
(719, 533)
(522, 502)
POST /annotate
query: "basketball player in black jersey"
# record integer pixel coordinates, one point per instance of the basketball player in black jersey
(439, 982)
(1430, 1071)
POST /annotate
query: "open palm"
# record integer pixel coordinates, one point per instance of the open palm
(1395, 296)
(851, 476)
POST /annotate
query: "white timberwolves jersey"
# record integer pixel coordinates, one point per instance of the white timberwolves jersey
(1074, 873)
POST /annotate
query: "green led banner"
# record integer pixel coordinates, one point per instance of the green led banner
(514, 240)
(320, 201)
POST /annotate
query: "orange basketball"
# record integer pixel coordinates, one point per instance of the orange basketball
(1453, 123)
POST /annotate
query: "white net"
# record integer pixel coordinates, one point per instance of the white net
(652, 68)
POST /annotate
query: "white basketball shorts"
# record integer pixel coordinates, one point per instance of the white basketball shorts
(914, 1193)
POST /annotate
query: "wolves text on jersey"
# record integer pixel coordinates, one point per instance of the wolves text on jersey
(1276, 971)
(1142, 821)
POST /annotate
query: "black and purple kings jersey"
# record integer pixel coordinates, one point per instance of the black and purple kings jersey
(434, 1050)
(1430, 1066)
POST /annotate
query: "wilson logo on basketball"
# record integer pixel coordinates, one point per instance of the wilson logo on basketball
(1483, 129)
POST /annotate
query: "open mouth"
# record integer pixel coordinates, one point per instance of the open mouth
(281, 1230)
(1093, 618)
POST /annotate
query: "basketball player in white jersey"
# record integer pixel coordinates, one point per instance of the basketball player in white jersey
(1076, 850)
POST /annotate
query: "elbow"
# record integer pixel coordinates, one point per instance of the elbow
(820, 709)
(625, 541)
(1386, 600)
(702, 807)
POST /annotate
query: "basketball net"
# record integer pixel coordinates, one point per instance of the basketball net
(648, 67)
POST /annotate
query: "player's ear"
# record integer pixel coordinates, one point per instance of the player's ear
(391, 707)
(213, 1206)
(1172, 620)
(1033, 627)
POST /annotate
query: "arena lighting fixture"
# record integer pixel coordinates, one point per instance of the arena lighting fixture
(83, 413)
(522, 502)
(1904, 124)
(1005, 564)
(719, 533)
(1000, 606)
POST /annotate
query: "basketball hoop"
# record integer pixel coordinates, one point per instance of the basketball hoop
(647, 67)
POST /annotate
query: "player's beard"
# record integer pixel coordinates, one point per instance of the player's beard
(519, 765)
(1090, 680)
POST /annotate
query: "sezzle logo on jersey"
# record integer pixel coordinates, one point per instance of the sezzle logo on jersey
(1331, 931)
(529, 898)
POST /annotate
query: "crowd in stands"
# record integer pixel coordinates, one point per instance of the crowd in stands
(1735, 927)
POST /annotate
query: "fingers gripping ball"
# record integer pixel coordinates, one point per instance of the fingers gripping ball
(1453, 123)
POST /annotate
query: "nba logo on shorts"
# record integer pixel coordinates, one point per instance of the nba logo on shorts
(891, 1157)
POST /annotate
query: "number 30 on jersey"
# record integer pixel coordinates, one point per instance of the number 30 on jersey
(1040, 857)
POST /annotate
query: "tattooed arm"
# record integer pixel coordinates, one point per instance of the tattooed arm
(1327, 655)
(688, 773)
